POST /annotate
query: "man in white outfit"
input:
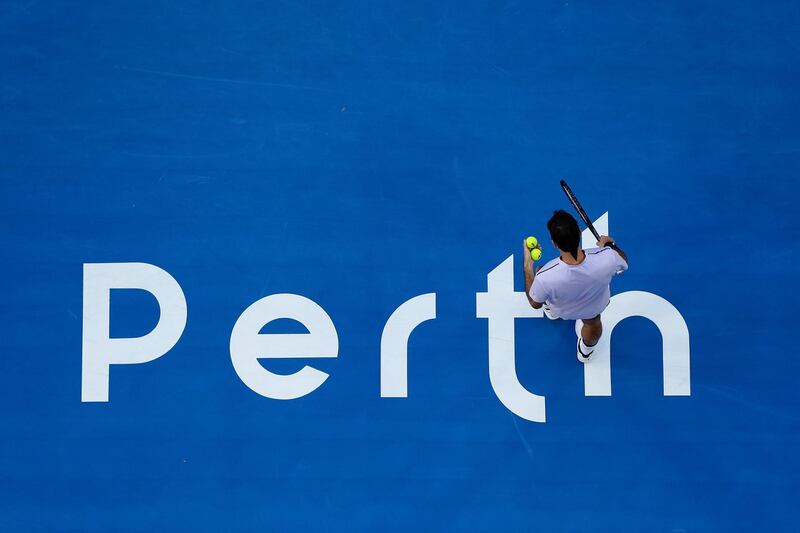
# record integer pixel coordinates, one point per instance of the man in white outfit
(575, 285)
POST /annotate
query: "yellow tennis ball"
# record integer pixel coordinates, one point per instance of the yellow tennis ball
(536, 254)
(531, 242)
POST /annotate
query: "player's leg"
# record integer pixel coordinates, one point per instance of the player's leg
(591, 331)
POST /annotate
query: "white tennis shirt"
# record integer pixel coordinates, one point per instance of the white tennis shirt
(577, 292)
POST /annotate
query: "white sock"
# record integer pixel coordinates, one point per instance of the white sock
(585, 348)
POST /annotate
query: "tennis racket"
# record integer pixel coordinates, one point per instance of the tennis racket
(577, 205)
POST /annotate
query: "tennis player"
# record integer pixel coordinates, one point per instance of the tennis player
(575, 285)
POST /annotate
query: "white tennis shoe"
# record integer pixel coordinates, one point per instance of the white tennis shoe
(585, 353)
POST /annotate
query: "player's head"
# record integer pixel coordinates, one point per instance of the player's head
(565, 232)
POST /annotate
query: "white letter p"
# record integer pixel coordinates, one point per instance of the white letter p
(99, 349)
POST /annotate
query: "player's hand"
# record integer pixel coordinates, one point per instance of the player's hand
(526, 256)
(604, 241)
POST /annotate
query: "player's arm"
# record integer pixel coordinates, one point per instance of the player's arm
(605, 239)
(530, 274)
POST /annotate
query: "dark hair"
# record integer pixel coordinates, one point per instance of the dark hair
(565, 232)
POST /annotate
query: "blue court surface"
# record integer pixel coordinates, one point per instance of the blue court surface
(352, 156)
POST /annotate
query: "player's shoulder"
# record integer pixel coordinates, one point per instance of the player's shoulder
(597, 251)
(600, 255)
(551, 266)
(603, 258)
